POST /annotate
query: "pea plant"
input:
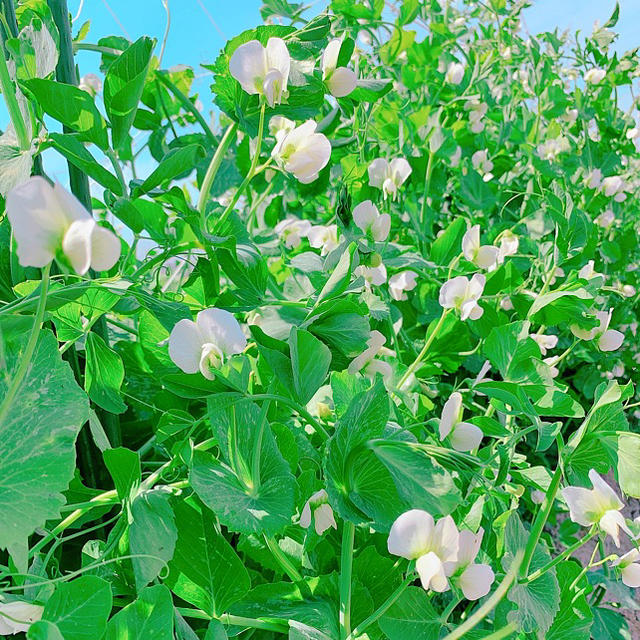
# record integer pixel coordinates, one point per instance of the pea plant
(352, 356)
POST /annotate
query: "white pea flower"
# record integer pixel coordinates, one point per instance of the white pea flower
(551, 363)
(606, 219)
(340, 81)
(570, 116)
(402, 282)
(415, 536)
(483, 256)
(594, 179)
(17, 616)
(629, 565)
(463, 436)
(302, 151)
(614, 187)
(608, 339)
(595, 75)
(463, 294)
(509, 244)
(506, 304)
(628, 290)
(603, 36)
(371, 222)
(599, 505)
(388, 176)
(318, 508)
(372, 275)
(473, 579)
(204, 344)
(551, 149)
(482, 164)
(280, 123)
(588, 272)
(477, 111)
(292, 230)
(455, 73)
(367, 363)
(48, 219)
(323, 237)
(262, 70)
(545, 342)
(455, 158)
(90, 83)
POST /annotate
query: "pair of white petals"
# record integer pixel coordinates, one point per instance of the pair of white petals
(301, 151)
(463, 294)
(367, 361)
(402, 282)
(441, 552)
(388, 176)
(629, 565)
(607, 339)
(371, 222)
(292, 230)
(318, 510)
(48, 219)
(340, 81)
(204, 344)
(262, 70)
(488, 256)
(463, 436)
(323, 237)
(600, 506)
(17, 616)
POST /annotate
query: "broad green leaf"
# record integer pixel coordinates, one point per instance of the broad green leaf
(152, 532)
(123, 85)
(247, 495)
(341, 276)
(38, 432)
(536, 603)
(80, 608)
(205, 570)
(44, 630)
(449, 243)
(124, 467)
(411, 616)
(103, 375)
(310, 360)
(575, 617)
(150, 616)
(172, 165)
(71, 106)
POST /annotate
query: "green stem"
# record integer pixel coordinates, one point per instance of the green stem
(346, 568)
(282, 559)
(506, 632)
(378, 613)
(27, 355)
(86, 46)
(237, 621)
(540, 521)
(416, 363)
(559, 558)
(9, 94)
(427, 182)
(118, 169)
(210, 175)
(252, 171)
(186, 103)
(489, 604)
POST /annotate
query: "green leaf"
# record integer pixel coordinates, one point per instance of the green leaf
(370, 90)
(104, 374)
(411, 616)
(609, 625)
(310, 360)
(341, 276)
(575, 617)
(76, 153)
(44, 630)
(72, 107)
(172, 165)
(150, 616)
(448, 244)
(152, 532)
(123, 85)
(38, 433)
(242, 500)
(629, 463)
(205, 570)
(80, 608)
(124, 467)
(536, 603)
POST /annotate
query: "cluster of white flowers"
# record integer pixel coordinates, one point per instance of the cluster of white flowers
(443, 554)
